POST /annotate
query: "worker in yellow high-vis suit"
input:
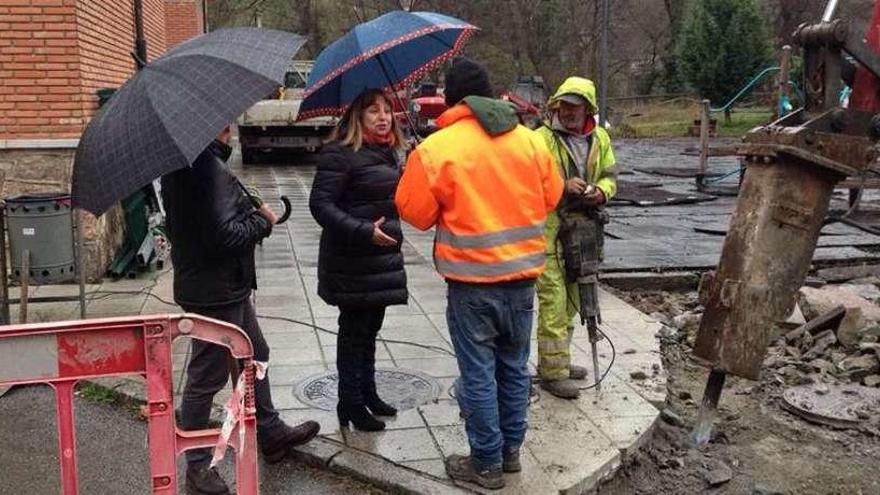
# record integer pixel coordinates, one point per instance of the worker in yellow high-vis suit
(583, 153)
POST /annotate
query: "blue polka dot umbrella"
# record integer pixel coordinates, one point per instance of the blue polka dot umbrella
(389, 52)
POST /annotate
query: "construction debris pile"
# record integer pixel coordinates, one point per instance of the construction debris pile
(823, 364)
(838, 344)
(832, 337)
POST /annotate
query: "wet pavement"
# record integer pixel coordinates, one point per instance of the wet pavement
(570, 446)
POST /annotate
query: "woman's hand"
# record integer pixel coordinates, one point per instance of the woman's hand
(381, 238)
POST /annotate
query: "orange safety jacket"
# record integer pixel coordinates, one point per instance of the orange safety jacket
(487, 194)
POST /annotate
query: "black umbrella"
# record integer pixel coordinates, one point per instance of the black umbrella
(165, 115)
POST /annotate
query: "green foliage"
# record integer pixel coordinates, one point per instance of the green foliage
(722, 45)
(97, 393)
(671, 70)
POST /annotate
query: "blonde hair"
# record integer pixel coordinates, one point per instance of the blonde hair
(349, 131)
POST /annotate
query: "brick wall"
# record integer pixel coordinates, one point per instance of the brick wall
(54, 54)
(39, 69)
(183, 20)
(106, 39)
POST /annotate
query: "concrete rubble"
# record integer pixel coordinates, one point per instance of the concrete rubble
(849, 353)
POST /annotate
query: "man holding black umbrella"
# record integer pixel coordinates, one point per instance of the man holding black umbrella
(214, 225)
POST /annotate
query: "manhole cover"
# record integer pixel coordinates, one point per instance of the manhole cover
(404, 389)
(834, 405)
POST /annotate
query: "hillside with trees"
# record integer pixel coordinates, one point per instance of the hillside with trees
(556, 38)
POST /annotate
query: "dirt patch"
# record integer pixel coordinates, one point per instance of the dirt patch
(757, 447)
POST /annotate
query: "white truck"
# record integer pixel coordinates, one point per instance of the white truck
(271, 123)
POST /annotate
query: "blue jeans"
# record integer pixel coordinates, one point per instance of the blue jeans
(490, 326)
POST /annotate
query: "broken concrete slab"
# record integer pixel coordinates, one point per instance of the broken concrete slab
(828, 319)
(823, 366)
(717, 473)
(870, 347)
(858, 367)
(850, 327)
(823, 341)
(871, 381)
(815, 302)
(867, 291)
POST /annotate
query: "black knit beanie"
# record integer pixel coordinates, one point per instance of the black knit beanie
(466, 78)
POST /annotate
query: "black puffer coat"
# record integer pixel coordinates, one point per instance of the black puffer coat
(213, 229)
(351, 191)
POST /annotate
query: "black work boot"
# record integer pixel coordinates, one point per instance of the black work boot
(461, 468)
(204, 480)
(277, 444)
(510, 462)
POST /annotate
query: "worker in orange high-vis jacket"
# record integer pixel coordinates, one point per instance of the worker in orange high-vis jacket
(487, 185)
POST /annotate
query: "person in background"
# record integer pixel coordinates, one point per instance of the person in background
(585, 158)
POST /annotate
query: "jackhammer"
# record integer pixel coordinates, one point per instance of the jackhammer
(581, 235)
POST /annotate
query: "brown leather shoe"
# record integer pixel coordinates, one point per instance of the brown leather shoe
(461, 468)
(277, 444)
(205, 481)
(510, 462)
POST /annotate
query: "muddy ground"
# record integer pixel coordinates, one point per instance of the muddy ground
(757, 447)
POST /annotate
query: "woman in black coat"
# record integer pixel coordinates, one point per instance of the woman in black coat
(360, 266)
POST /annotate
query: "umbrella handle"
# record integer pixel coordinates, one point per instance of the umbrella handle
(284, 216)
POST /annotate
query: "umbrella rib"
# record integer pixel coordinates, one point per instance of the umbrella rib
(206, 95)
(441, 40)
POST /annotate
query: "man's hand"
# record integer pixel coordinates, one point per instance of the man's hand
(268, 214)
(576, 185)
(593, 196)
(381, 238)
